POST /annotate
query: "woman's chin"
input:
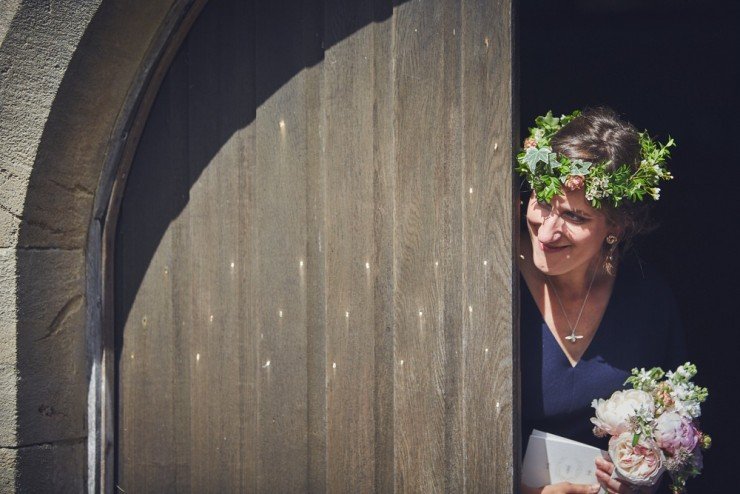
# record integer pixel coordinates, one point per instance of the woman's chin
(549, 267)
(545, 269)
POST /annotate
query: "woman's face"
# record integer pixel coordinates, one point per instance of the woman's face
(567, 233)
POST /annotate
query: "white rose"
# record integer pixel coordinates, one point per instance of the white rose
(612, 415)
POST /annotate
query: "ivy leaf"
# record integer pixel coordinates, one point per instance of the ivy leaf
(535, 155)
(547, 121)
(579, 167)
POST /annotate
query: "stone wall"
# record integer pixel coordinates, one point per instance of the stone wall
(68, 72)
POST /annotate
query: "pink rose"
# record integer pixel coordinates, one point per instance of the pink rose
(673, 431)
(641, 464)
(574, 182)
(530, 142)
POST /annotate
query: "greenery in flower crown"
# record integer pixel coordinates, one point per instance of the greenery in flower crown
(548, 173)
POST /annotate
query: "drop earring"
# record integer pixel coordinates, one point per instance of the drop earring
(609, 262)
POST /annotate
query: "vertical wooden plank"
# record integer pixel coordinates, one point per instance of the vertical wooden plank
(347, 98)
(422, 260)
(280, 223)
(489, 370)
(384, 177)
(220, 107)
(452, 252)
(250, 338)
(145, 315)
(316, 246)
(178, 272)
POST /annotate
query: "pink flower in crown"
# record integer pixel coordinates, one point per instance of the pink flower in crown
(674, 431)
(574, 182)
(530, 142)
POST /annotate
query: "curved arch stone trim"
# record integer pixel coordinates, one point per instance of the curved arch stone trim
(68, 74)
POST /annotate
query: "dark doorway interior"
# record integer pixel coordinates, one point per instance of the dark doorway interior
(670, 67)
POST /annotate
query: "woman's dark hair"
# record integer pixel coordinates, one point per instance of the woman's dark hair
(599, 135)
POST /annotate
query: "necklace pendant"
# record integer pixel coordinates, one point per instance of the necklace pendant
(573, 337)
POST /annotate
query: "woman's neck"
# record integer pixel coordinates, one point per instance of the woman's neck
(575, 284)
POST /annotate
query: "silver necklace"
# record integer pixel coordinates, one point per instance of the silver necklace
(573, 337)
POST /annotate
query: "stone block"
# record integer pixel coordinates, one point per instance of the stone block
(9, 225)
(8, 418)
(52, 468)
(8, 374)
(13, 184)
(51, 345)
(8, 463)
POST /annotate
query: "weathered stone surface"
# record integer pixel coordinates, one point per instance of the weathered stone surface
(37, 47)
(36, 50)
(66, 68)
(8, 372)
(53, 468)
(8, 229)
(8, 9)
(51, 351)
(8, 419)
(7, 307)
(43, 358)
(8, 463)
(13, 185)
(67, 166)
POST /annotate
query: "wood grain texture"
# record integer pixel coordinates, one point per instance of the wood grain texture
(347, 103)
(219, 322)
(488, 370)
(280, 244)
(318, 223)
(148, 417)
(428, 448)
(316, 251)
(384, 212)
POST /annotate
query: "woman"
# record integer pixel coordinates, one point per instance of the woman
(590, 313)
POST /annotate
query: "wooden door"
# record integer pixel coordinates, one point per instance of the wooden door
(313, 262)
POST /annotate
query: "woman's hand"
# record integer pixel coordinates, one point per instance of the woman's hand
(604, 469)
(562, 488)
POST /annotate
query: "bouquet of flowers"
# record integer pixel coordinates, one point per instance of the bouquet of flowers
(653, 427)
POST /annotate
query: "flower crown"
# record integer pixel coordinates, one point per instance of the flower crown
(548, 172)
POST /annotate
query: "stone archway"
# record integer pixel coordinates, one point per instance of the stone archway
(72, 79)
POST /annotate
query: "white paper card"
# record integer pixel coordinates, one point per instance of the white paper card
(551, 459)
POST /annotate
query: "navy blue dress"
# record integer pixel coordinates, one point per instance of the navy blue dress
(640, 328)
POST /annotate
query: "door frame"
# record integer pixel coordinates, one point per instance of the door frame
(101, 239)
